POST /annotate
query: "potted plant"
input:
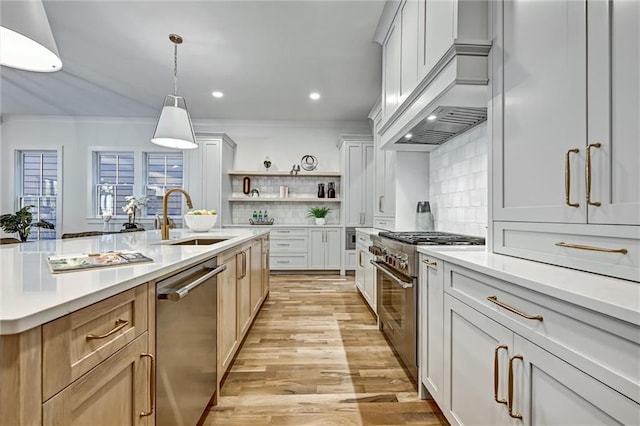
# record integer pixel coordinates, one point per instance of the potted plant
(133, 206)
(320, 213)
(21, 222)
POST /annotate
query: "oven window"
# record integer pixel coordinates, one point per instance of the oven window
(393, 300)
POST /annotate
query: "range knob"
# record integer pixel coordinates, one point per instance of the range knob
(403, 264)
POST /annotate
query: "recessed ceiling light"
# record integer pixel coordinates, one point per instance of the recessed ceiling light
(315, 96)
(217, 94)
(432, 117)
(408, 136)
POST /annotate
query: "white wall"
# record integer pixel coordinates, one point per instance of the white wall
(284, 142)
(458, 184)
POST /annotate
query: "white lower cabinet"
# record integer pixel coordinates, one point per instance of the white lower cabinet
(431, 326)
(324, 248)
(497, 377)
(366, 276)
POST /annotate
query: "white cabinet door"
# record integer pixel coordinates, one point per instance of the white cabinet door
(548, 391)
(355, 181)
(431, 327)
(389, 199)
(435, 33)
(391, 60)
(473, 343)
(369, 173)
(360, 274)
(324, 249)
(541, 75)
(409, 48)
(316, 249)
(614, 108)
(212, 177)
(370, 281)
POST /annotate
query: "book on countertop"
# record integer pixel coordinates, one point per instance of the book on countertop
(79, 262)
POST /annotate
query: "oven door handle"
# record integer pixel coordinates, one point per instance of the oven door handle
(391, 275)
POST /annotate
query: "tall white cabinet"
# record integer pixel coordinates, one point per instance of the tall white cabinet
(356, 156)
(566, 162)
(215, 158)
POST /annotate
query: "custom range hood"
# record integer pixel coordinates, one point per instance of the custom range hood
(450, 100)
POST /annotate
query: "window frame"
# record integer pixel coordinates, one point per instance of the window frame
(146, 186)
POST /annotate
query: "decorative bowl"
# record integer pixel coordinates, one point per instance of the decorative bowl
(200, 222)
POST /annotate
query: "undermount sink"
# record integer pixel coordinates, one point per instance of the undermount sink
(198, 242)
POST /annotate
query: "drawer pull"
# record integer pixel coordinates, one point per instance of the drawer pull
(588, 172)
(152, 384)
(429, 263)
(283, 245)
(494, 299)
(510, 402)
(282, 261)
(496, 374)
(567, 179)
(120, 324)
(591, 248)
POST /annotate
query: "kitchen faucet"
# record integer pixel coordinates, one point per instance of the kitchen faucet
(165, 205)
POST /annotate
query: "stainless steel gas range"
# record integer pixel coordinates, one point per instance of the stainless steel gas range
(397, 265)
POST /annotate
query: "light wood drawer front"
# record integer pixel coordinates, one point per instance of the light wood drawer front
(583, 246)
(74, 344)
(604, 347)
(288, 261)
(277, 234)
(289, 245)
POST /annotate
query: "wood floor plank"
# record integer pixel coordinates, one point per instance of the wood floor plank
(315, 356)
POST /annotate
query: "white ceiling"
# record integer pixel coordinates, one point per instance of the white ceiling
(265, 56)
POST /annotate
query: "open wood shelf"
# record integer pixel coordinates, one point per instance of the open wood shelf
(284, 174)
(284, 200)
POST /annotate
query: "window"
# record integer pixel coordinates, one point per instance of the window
(163, 171)
(115, 179)
(38, 187)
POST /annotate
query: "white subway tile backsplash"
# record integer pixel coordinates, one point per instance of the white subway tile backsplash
(458, 184)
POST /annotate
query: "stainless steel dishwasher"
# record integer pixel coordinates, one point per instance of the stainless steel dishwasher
(186, 344)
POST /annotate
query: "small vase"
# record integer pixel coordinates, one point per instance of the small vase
(321, 190)
(331, 192)
(320, 220)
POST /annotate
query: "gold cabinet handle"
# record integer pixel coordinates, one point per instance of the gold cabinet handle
(494, 299)
(152, 384)
(430, 263)
(120, 324)
(588, 172)
(567, 179)
(592, 248)
(510, 402)
(496, 374)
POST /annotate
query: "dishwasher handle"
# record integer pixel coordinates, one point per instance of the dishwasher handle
(180, 293)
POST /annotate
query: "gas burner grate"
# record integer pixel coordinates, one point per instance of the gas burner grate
(433, 238)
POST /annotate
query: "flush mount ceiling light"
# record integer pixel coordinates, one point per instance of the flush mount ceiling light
(432, 117)
(174, 129)
(315, 96)
(27, 40)
(217, 94)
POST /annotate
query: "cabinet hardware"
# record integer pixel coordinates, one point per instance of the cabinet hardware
(589, 202)
(283, 245)
(244, 264)
(360, 259)
(510, 402)
(380, 209)
(496, 374)
(592, 248)
(283, 261)
(494, 299)
(120, 324)
(152, 384)
(567, 179)
(283, 232)
(429, 263)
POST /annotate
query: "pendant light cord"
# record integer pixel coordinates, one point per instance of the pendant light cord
(175, 69)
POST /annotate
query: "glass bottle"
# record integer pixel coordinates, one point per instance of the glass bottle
(321, 190)
(331, 192)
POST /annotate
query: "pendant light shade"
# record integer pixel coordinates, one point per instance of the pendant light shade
(174, 129)
(26, 37)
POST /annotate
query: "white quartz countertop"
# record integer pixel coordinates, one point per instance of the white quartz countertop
(614, 297)
(30, 295)
(368, 231)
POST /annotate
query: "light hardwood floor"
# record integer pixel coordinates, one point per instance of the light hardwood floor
(315, 357)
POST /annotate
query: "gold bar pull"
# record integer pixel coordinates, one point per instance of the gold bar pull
(494, 299)
(152, 385)
(430, 263)
(120, 324)
(496, 374)
(567, 179)
(510, 402)
(589, 202)
(592, 248)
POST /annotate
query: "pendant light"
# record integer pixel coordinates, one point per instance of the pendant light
(27, 40)
(174, 129)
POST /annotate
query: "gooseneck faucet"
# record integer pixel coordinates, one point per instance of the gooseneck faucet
(165, 205)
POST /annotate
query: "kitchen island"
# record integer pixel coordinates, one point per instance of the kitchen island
(81, 344)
